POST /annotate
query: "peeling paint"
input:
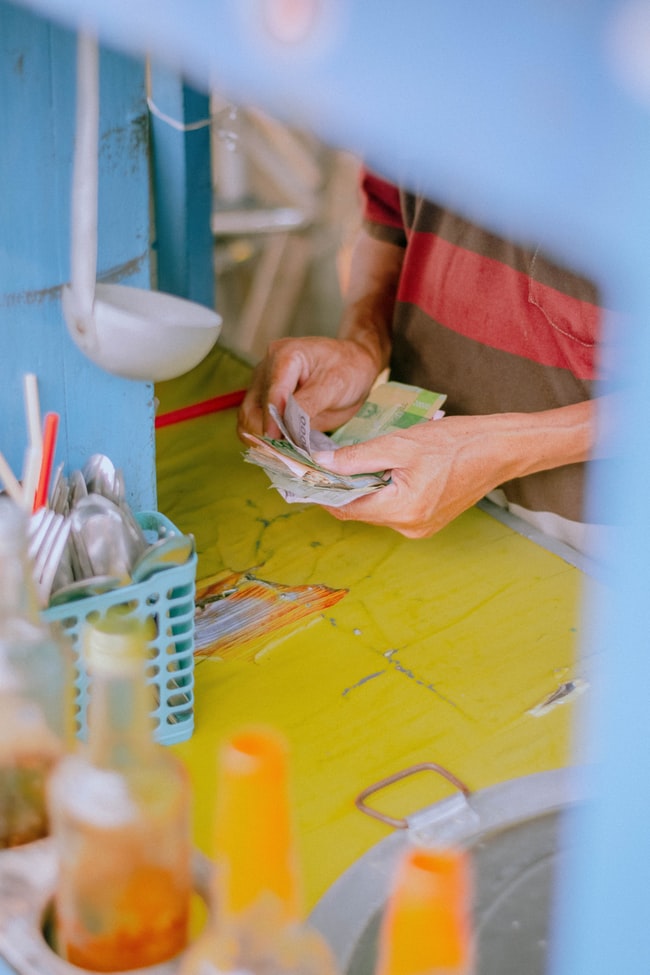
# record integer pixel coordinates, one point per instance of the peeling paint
(127, 269)
(565, 692)
(40, 296)
(234, 610)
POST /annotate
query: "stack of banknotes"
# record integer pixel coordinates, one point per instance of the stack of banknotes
(289, 462)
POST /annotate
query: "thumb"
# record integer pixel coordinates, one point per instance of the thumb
(361, 458)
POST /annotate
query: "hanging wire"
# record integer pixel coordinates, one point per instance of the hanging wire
(175, 124)
(225, 132)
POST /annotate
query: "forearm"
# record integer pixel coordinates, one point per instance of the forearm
(439, 469)
(525, 443)
(370, 298)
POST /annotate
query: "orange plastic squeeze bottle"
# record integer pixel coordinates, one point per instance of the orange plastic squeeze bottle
(120, 817)
(426, 929)
(256, 924)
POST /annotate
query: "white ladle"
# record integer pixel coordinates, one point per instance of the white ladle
(132, 332)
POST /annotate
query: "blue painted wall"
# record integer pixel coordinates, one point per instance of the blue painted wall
(99, 412)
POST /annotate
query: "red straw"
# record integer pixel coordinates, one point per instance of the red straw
(213, 405)
(50, 430)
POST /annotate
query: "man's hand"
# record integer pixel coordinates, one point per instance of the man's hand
(329, 377)
(442, 467)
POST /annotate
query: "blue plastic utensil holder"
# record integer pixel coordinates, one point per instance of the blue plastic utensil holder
(167, 598)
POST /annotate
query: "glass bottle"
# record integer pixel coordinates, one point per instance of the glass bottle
(256, 923)
(120, 813)
(36, 687)
(426, 928)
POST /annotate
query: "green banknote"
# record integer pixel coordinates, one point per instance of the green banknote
(390, 406)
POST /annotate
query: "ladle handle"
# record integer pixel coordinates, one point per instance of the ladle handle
(83, 256)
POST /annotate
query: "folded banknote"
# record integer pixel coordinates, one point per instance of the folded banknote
(288, 461)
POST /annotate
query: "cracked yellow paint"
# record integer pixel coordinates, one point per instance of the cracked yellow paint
(436, 654)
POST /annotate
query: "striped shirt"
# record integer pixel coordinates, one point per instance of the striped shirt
(498, 327)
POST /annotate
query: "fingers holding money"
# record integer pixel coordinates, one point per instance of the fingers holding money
(330, 379)
(274, 379)
(290, 459)
(437, 471)
(413, 501)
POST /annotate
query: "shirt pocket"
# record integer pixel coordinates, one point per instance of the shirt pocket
(568, 305)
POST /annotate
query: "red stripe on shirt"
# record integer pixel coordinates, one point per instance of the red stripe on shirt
(381, 201)
(485, 300)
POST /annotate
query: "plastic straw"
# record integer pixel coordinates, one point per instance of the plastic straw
(213, 405)
(31, 471)
(7, 476)
(50, 429)
(33, 410)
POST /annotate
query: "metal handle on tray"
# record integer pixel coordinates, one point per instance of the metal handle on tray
(402, 823)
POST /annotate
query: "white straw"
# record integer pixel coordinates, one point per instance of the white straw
(33, 410)
(12, 487)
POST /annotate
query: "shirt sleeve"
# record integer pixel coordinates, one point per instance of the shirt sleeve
(382, 209)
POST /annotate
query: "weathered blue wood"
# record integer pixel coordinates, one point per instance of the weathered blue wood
(98, 412)
(182, 189)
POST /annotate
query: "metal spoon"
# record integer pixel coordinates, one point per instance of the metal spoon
(103, 538)
(172, 550)
(99, 474)
(77, 488)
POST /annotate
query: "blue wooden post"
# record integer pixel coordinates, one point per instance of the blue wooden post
(182, 189)
(98, 412)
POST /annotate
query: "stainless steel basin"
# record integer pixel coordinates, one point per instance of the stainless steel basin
(516, 834)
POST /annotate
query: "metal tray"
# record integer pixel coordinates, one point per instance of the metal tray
(515, 833)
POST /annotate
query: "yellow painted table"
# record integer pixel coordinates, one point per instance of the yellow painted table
(437, 651)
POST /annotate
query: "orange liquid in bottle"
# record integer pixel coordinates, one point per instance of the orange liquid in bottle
(151, 924)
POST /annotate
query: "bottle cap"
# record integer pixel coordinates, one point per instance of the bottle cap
(254, 847)
(116, 642)
(427, 924)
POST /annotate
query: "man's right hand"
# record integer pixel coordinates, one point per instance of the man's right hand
(329, 377)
